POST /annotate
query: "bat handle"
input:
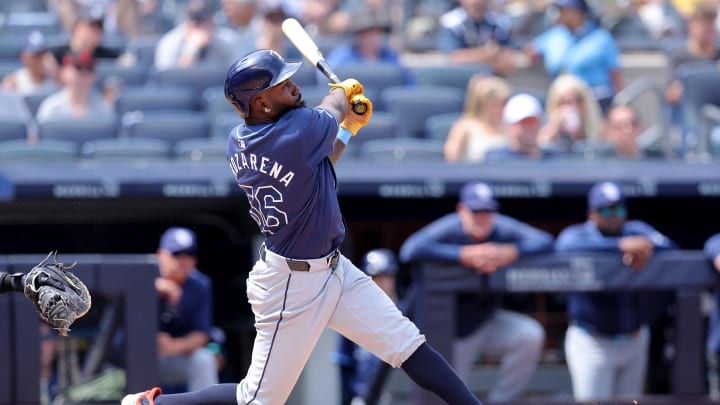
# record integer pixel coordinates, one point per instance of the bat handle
(358, 108)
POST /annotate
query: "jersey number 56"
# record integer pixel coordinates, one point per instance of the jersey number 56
(263, 209)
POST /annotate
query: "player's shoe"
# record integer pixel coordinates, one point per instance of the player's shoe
(143, 398)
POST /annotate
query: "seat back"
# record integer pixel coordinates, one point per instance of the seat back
(78, 130)
(12, 129)
(170, 126)
(401, 149)
(155, 99)
(413, 104)
(126, 149)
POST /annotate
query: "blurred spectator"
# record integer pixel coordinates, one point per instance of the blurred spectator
(573, 114)
(478, 237)
(472, 34)
(78, 98)
(196, 40)
(323, 17)
(699, 46)
(622, 130)
(86, 35)
(579, 46)
(186, 313)
(38, 72)
(358, 367)
(480, 127)
(271, 36)
(712, 252)
(120, 18)
(659, 19)
(369, 45)
(606, 345)
(14, 109)
(523, 117)
(240, 22)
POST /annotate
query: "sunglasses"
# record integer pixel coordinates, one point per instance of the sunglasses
(617, 210)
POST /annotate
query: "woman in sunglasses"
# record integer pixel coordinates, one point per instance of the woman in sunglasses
(606, 345)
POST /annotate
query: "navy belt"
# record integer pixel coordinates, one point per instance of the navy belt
(327, 262)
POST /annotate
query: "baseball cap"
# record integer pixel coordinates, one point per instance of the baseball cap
(179, 240)
(478, 197)
(605, 194)
(80, 60)
(576, 4)
(199, 10)
(521, 106)
(35, 43)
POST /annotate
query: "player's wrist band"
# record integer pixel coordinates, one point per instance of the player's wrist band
(344, 135)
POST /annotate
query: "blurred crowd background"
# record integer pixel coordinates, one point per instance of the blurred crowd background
(128, 79)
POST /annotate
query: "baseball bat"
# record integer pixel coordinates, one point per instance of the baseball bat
(307, 47)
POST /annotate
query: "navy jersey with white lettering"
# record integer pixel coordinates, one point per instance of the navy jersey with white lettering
(284, 169)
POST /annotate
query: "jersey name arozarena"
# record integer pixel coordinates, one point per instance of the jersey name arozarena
(249, 161)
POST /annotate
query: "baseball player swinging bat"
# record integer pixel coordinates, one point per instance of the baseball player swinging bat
(307, 47)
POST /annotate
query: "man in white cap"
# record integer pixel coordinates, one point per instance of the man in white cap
(523, 116)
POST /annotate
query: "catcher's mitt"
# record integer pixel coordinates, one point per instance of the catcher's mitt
(59, 296)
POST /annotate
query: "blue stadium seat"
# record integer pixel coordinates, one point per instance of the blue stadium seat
(129, 75)
(126, 149)
(34, 100)
(12, 129)
(413, 104)
(202, 149)
(438, 126)
(76, 130)
(313, 95)
(45, 150)
(155, 99)
(222, 124)
(170, 126)
(382, 125)
(456, 76)
(25, 22)
(214, 103)
(198, 78)
(375, 77)
(143, 50)
(306, 75)
(401, 149)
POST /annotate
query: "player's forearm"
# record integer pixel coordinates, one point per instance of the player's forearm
(338, 149)
(336, 103)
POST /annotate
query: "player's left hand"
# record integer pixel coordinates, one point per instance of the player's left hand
(59, 296)
(353, 122)
(351, 87)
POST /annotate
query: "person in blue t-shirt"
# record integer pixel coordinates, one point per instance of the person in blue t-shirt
(712, 251)
(471, 34)
(186, 311)
(478, 237)
(577, 45)
(607, 341)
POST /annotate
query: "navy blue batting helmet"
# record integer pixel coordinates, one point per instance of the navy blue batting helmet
(253, 74)
(380, 261)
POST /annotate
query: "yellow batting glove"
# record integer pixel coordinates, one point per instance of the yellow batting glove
(351, 87)
(353, 122)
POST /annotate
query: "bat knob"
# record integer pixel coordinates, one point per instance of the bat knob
(359, 108)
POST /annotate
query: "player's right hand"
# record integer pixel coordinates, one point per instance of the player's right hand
(353, 122)
(351, 87)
